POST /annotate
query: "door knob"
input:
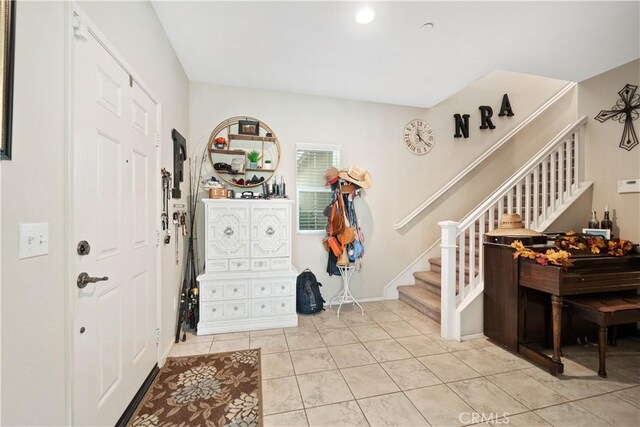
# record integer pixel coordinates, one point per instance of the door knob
(84, 279)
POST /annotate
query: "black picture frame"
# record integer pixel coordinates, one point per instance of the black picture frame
(248, 127)
(7, 62)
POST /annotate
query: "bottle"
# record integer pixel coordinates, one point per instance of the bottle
(606, 223)
(593, 222)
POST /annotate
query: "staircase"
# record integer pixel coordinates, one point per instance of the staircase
(424, 295)
(540, 191)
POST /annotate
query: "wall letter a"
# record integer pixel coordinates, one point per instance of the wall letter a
(462, 125)
(505, 108)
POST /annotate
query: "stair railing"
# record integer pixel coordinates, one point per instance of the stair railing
(534, 192)
(477, 161)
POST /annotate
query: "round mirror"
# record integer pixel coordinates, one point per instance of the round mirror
(244, 151)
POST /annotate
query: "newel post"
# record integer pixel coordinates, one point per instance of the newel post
(448, 318)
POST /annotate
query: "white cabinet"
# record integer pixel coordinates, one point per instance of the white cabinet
(249, 282)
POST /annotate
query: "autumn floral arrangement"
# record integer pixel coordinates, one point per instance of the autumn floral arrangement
(572, 240)
(551, 256)
(619, 247)
(595, 244)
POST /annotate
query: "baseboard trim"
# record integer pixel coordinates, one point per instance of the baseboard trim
(372, 299)
(167, 352)
(247, 324)
(471, 337)
(137, 399)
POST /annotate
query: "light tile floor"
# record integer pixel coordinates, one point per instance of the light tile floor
(390, 367)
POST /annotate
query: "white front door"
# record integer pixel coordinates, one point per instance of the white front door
(114, 210)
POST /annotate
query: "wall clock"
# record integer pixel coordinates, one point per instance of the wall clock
(418, 136)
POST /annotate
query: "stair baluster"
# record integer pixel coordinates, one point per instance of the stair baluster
(538, 191)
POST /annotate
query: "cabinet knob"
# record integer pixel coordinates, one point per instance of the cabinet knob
(282, 305)
(235, 308)
(228, 231)
(235, 290)
(270, 231)
(262, 306)
(282, 287)
(213, 291)
(213, 310)
(262, 288)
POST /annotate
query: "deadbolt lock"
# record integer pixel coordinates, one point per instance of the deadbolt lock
(84, 247)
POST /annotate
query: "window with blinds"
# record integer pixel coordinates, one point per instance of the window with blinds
(312, 161)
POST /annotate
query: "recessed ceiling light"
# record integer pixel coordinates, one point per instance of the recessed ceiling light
(364, 16)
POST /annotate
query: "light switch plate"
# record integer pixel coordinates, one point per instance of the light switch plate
(629, 186)
(33, 240)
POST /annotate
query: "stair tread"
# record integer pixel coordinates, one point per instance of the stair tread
(422, 293)
(421, 296)
(428, 276)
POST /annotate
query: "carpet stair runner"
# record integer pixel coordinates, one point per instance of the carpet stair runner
(424, 294)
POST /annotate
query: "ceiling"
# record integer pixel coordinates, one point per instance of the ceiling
(317, 48)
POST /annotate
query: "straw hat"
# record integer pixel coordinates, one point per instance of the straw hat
(331, 176)
(511, 225)
(357, 175)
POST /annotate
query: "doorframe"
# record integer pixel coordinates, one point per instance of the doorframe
(71, 10)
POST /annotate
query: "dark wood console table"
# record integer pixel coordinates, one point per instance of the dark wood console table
(507, 281)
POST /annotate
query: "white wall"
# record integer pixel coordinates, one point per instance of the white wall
(371, 136)
(34, 341)
(606, 163)
(33, 304)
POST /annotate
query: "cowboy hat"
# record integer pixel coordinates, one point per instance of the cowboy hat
(357, 175)
(331, 176)
(511, 225)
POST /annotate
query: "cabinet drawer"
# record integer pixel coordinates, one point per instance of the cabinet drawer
(284, 306)
(262, 307)
(228, 289)
(280, 263)
(217, 265)
(226, 309)
(272, 306)
(236, 290)
(260, 264)
(236, 309)
(273, 287)
(283, 288)
(211, 310)
(262, 289)
(238, 264)
(211, 292)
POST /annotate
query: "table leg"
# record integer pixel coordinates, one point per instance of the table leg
(556, 314)
(602, 341)
(345, 295)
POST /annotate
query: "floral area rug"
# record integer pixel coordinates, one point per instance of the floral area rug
(223, 389)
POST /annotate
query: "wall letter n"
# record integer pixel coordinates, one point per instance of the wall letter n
(462, 125)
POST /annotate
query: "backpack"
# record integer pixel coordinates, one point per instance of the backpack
(308, 297)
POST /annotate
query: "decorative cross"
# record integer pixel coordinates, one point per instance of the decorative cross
(625, 111)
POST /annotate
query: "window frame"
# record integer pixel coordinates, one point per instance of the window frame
(304, 146)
